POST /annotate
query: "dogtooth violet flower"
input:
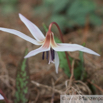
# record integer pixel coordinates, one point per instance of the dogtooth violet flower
(47, 43)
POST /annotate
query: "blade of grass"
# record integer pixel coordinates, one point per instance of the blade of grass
(82, 64)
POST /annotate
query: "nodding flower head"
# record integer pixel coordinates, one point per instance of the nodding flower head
(48, 44)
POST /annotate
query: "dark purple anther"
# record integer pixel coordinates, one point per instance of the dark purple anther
(43, 55)
(47, 53)
(52, 54)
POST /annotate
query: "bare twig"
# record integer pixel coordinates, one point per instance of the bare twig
(36, 96)
(58, 80)
(72, 74)
(83, 85)
(85, 36)
(52, 99)
(47, 87)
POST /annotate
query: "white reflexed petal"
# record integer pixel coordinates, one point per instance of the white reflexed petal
(35, 31)
(20, 34)
(1, 97)
(36, 51)
(73, 47)
(56, 61)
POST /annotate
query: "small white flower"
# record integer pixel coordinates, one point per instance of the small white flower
(1, 97)
(47, 43)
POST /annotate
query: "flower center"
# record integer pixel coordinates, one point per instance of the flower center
(51, 53)
(49, 42)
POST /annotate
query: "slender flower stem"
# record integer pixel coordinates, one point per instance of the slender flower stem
(6, 100)
(61, 40)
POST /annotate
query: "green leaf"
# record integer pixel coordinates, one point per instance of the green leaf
(82, 64)
(79, 70)
(8, 8)
(8, 1)
(45, 28)
(48, 2)
(60, 20)
(95, 20)
(80, 20)
(41, 11)
(64, 64)
(92, 87)
(60, 5)
(81, 7)
(22, 83)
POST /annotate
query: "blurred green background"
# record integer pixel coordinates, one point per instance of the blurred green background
(67, 13)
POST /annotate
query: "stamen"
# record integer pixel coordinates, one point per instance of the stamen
(47, 53)
(43, 55)
(52, 54)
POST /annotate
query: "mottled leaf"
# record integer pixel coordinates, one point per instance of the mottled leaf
(59, 6)
(22, 83)
(81, 7)
(95, 19)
